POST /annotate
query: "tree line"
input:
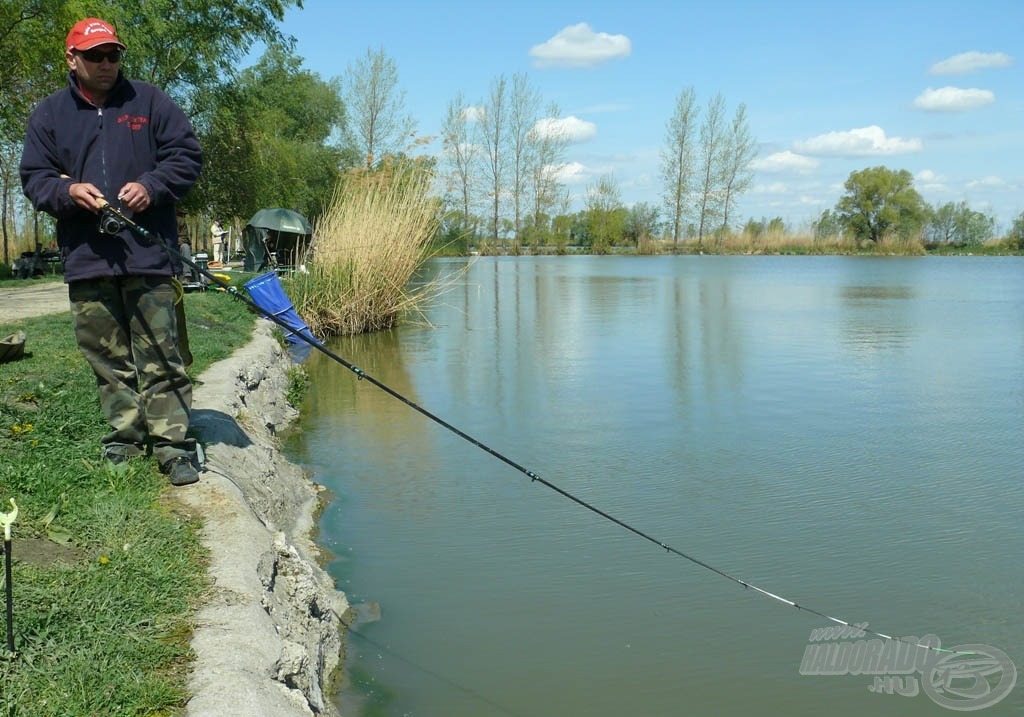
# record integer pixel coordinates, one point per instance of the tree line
(880, 203)
(502, 166)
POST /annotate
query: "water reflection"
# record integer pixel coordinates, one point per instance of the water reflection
(875, 317)
(337, 395)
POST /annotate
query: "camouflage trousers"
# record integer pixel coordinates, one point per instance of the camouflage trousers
(127, 330)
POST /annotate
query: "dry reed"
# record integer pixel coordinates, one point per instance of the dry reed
(365, 250)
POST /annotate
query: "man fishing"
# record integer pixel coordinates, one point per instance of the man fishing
(104, 139)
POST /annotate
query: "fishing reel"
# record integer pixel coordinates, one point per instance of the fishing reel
(111, 222)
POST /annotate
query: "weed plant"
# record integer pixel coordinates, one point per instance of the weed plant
(107, 571)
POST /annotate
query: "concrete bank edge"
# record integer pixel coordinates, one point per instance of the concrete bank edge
(269, 640)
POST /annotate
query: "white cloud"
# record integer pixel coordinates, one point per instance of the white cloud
(863, 142)
(970, 61)
(812, 201)
(573, 173)
(579, 46)
(473, 113)
(571, 128)
(953, 99)
(930, 181)
(988, 183)
(785, 162)
(927, 175)
(773, 188)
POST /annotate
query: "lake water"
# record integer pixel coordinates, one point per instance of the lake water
(843, 432)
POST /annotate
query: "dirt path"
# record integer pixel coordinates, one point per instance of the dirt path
(36, 298)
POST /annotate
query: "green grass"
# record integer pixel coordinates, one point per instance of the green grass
(104, 631)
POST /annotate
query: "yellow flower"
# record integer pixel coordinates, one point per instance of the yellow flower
(104, 560)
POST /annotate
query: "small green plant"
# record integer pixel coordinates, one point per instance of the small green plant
(298, 385)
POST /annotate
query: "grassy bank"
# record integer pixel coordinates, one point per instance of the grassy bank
(107, 570)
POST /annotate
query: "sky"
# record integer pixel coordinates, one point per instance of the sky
(934, 88)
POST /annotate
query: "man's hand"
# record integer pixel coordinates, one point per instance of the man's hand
(87, 196)
(134, 196)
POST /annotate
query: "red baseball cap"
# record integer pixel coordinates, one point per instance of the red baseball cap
(90, 32)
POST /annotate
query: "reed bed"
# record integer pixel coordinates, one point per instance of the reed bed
(366, 248)
(807, 244)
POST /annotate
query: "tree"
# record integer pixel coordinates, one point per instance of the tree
(941, 225)
(879, 201)
(605, 215)
(957, 223)
(677, 168)
(460, 154)
(771, 227)
(712, 137)
(187, 47)
(828, 225)
(377, 122)
(548, 143)
(561, 230)
(34, 62)
(1016, 236)
(33, 68)
(641, 223)
(266, 140)
(524, 105)
(738, 153)
(492, 126)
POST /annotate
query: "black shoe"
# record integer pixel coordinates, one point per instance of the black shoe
(115, 458)
(180, 471)
(119, 453)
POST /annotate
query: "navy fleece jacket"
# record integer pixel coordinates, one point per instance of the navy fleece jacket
(139, 135)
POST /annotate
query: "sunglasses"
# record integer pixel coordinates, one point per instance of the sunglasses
(98, 56)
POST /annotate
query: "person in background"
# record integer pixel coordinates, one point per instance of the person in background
(184, 245)
(101, 139)
(220, 251)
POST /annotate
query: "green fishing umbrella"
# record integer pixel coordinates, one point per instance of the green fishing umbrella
(281, 220)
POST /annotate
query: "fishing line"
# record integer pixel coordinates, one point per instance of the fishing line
(534, 477)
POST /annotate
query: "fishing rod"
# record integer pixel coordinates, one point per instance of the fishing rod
(117, 220)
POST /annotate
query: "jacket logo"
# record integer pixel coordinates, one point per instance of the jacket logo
(133, 122)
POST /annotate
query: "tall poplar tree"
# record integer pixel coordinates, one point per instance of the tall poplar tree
(677, 161)
(460, 155)
(712, 140)
(739, 151)
(548, 145)
(377, 121)
(524, 106)
(493, 131)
